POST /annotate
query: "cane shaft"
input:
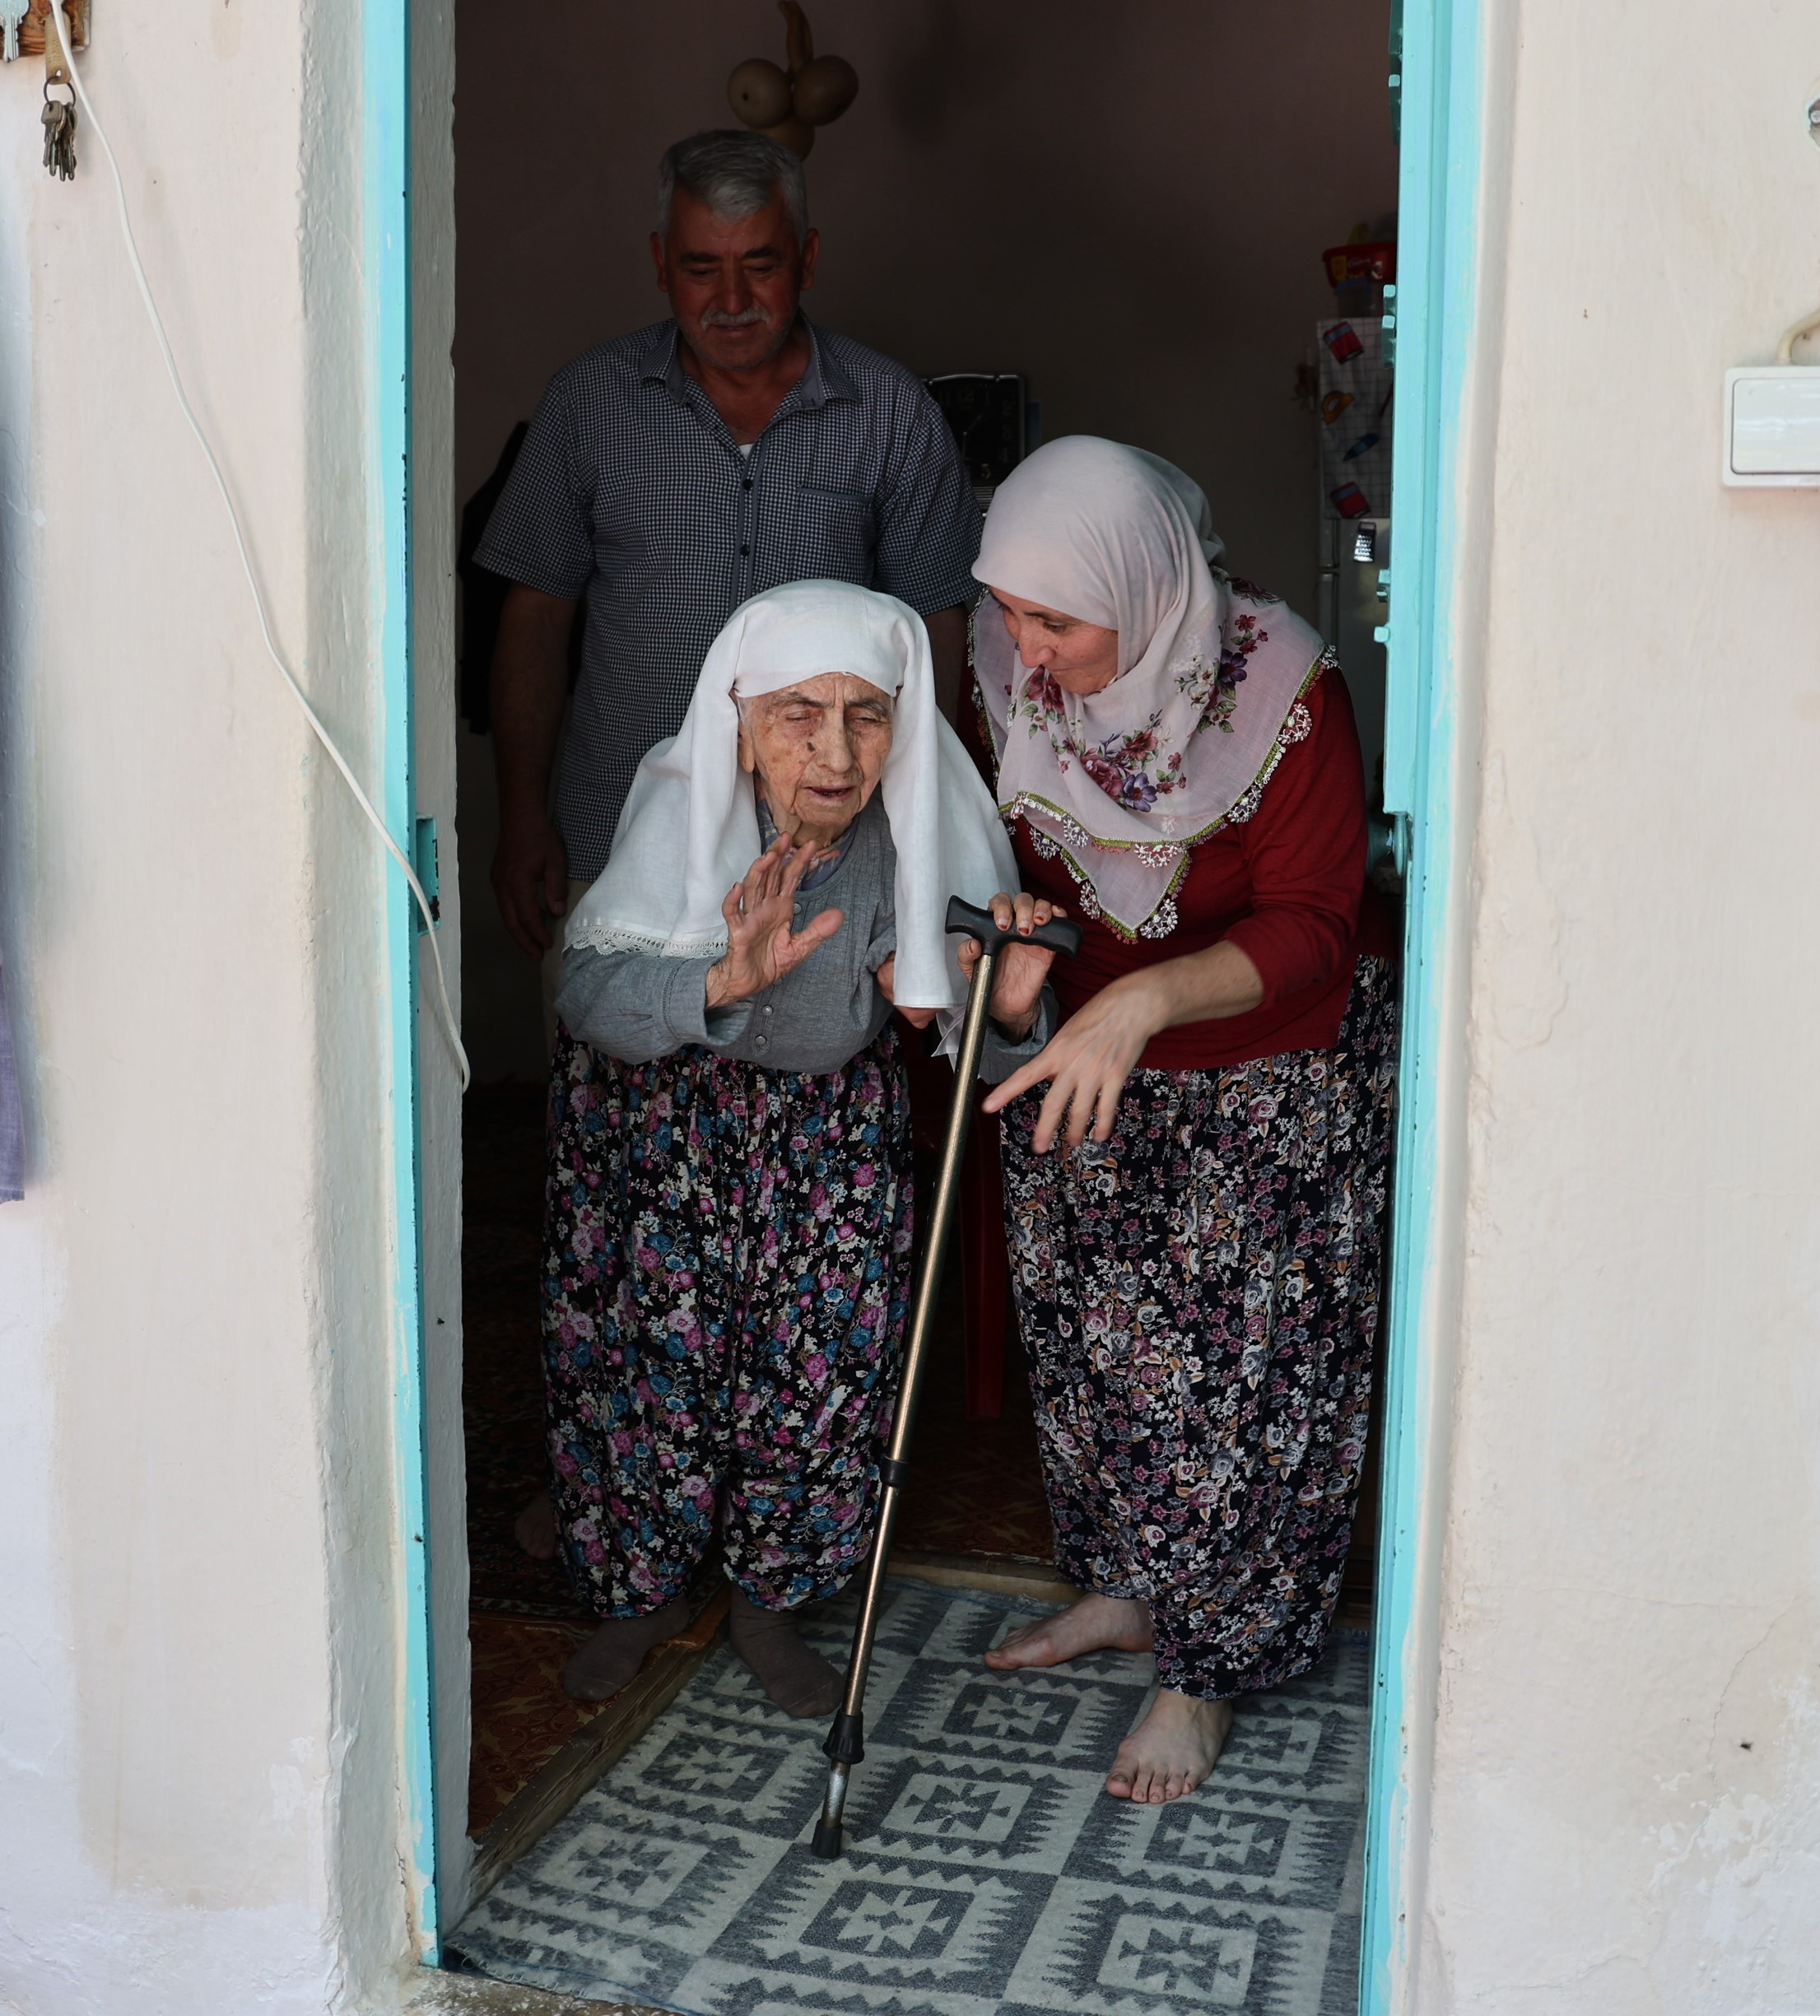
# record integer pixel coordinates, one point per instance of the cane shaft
(928, 1280)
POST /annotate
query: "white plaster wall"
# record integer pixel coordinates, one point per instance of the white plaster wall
(1626, 1814)
(199, 1646)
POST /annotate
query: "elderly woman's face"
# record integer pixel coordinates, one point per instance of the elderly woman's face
(818, 750)
(1080, 656)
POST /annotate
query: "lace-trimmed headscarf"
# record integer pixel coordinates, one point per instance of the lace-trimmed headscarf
(1123, 782)
(690, 828)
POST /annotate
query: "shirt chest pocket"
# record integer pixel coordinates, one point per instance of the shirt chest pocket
(837, 532)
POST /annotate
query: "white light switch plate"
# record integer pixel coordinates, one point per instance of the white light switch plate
(1772, 426)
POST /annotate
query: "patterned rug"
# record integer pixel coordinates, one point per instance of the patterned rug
(522, 1717)
(986, 1873)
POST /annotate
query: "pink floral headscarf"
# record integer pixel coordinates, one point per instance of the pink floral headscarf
(1123, 782)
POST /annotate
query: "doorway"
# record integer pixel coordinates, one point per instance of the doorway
(1215, 392)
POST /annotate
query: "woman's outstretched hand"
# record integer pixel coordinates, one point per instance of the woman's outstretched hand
(1017, 981)
(1085, 1064)
(762, 944)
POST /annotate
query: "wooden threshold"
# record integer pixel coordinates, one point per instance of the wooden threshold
(579, 1765)
(435, 1993)
(1002, 1575)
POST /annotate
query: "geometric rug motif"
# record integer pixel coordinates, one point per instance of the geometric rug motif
(986, 1872)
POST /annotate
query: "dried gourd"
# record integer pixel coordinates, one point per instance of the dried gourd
(787, 105)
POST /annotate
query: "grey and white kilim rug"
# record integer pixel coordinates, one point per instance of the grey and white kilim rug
(986, 1872)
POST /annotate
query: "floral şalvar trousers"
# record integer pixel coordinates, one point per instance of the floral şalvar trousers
(1199, 1297)
(726, 1258)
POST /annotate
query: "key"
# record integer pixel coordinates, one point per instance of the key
(12, 14)
(60, 139)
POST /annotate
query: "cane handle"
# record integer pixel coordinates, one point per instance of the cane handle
(1061, 935)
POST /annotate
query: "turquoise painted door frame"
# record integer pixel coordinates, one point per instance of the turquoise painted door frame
(1440, 88)
(1437, 86)
(386, 217)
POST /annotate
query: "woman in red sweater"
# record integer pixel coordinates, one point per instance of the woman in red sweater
(1195, 1164)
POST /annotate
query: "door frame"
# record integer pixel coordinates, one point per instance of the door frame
(1438, 66)
(385, 195)
(1437, 56)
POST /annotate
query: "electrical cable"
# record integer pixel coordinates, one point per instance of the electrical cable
(310, 713)
(1785, 350)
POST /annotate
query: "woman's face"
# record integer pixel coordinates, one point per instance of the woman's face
(1080, 656)
(817, 750)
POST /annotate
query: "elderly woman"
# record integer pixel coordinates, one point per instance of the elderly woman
(1196, 1201)
(722, 1311)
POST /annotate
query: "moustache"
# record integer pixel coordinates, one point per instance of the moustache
(718, 319)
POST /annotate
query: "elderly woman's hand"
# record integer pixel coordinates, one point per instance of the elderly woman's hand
(762, 943)
(1017, 981)
(887, 978)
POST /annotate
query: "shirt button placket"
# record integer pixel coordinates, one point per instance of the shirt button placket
(747, 508)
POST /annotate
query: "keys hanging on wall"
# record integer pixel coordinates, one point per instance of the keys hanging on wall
(59, 137)
(60, 111)
(12, 14)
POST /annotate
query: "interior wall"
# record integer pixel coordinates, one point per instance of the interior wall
(1625, 1812)
(1129, 205)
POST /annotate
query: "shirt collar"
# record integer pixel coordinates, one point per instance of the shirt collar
(823, 380)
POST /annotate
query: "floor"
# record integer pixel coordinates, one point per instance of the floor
(985, 1869)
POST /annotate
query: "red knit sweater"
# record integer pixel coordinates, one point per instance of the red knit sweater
(1287, 886)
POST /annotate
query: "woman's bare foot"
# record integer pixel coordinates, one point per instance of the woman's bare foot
(1172, 1750)
(535, 1528)
(1094, 1624)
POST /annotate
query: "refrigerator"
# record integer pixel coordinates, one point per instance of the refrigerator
(1354, 388)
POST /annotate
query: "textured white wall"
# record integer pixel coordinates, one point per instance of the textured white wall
(198, 1804)
(1626, 1805)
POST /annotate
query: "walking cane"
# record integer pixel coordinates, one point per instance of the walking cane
(846, 1742)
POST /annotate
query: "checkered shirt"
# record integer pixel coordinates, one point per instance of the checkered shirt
(630, 487)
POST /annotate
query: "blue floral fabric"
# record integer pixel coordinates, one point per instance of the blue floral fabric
(727, 1255)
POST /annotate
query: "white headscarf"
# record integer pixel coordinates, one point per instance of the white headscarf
(1200, 512)
(1123, 782)
(690, 828)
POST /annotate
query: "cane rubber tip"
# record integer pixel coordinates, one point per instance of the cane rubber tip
(827, 1843)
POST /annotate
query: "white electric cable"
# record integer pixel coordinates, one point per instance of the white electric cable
(310, 713)
(1785, 350)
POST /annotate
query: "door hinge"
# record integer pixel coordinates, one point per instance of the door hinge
(423, 860)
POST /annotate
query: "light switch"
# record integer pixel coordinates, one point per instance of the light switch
(1772, 426)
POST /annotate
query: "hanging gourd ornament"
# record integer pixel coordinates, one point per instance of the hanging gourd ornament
(787, 105)
(759, 92)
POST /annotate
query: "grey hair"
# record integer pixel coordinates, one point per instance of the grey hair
(734, 173)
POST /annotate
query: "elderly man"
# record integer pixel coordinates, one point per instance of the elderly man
(671, 474)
